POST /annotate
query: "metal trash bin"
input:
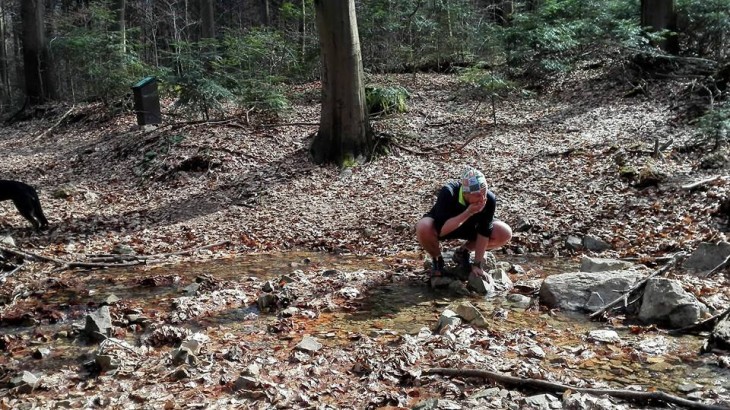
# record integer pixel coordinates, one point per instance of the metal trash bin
(147, 101)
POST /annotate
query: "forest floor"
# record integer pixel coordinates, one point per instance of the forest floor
(190, 191)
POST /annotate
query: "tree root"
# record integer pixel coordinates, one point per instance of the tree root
(543, 385)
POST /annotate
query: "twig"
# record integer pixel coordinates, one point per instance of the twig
(560, 388)
(8, 274)
(701, 182)
(63, 117)
(719, 267)
(638, 285)
(31, 255)
(704, 325)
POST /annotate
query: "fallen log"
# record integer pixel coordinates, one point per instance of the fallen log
(639, 285)
(128, 260)
(543, 385)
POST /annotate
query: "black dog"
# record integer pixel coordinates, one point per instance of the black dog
(26, 200)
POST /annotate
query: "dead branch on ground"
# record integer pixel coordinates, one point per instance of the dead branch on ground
(638, 286)
(544, 385)
(698, 184)
(719, 267)
(703, 326)
(63, 117)
(116, 261)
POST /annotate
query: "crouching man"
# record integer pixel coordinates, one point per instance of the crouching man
(464, 210)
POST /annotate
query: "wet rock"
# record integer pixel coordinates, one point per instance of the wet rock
(519, 301)
(309, 344)
(330, 273)
(181, 373)
(689, 387)
(183, 355)
(579, 401)
(486, 393)
(604, 336)
(707, 256)
(98, 324)
(448, 320)
(523, 225)
(112, 299)
(246, 383)
(571, 291)
(501, 279)
(41, 353)
(252, 370)
(266, 301)
(7, 240)
(106, 362)
(594, 243)
(665, 302)
(290, 311)
(588, 264)
(234, 354)
(268, 286)
(720, 336)
(123, 249)
(536, 352)
(25, 382)
(482, 286)
(440, 282)
(471, 314)
(574, 243)
(192, 289)
(543, 401)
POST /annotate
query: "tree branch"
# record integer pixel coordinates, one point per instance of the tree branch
(556, 387)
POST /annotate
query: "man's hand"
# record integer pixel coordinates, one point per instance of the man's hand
(477, 206)
(477, 270)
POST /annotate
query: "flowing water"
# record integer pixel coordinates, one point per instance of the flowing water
(393, 308)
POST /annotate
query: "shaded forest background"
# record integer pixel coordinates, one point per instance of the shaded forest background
(212, 57)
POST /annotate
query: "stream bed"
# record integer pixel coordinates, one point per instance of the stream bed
(645, 357)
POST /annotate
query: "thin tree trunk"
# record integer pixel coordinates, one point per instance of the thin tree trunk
(265, 13)
(4, 71)
(303, 32)
(120, 23)
(207, 17)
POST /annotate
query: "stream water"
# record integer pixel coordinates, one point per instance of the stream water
(391, 309)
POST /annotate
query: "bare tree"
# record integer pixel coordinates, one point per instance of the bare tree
(39, 86)
(660, 15)
(344, 131)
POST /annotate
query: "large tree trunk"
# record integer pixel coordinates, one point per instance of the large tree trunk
(659, 15)
(344, 132)
(39, 85)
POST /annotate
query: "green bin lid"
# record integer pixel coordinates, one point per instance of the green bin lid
(144, 81)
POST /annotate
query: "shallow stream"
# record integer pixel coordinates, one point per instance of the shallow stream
(670, 364)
